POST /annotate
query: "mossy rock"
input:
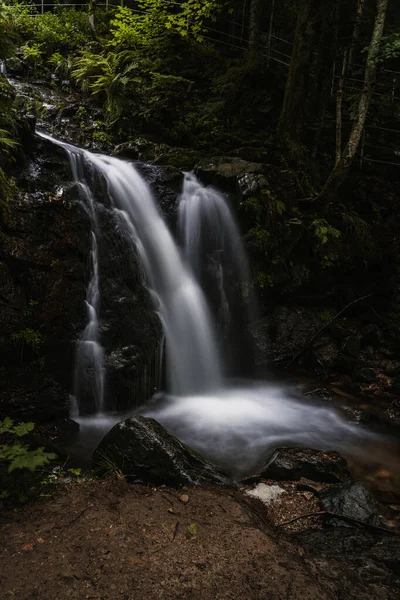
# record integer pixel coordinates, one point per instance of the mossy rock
(143, 450)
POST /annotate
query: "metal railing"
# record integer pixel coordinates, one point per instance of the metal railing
(272, 50)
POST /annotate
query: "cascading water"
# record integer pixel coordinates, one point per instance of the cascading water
(212, 246)
(192, 356)
(88, 387)
(236, 426)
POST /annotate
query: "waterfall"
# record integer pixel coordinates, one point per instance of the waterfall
(213, 248)
(234, 425)
(3, 68)
(88, 383)
(193, 363)
(88, 390)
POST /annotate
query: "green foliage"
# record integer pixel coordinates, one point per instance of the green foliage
(12, 18)
(6, 140)
(111, 76)
(323, 232)
(389, 47)
(325, 315)
(18, 455)
(64, 30)
(358, 233)
(192, 529)
(32, 54)
(61, 64)
(32, 338)
(325, 236)
(159, 19)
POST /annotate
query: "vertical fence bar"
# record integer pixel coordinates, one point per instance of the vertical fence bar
(271, 22)
(42, 6)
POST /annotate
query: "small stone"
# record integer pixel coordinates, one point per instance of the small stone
(184, 498)
(171, 510)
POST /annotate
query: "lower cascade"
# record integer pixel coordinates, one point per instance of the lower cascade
(234, 425)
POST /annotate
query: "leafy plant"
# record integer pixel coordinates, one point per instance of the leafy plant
(6, 140)
(32, 54)
(323, 232)
(19, 455)
(28, 337)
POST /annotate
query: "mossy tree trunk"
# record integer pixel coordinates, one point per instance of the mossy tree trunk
(255, 16)
(343, 163)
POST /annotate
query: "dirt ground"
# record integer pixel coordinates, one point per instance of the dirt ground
(108, 540)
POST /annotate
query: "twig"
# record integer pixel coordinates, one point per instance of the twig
(325, 326)
(326, 513)
(175, 530)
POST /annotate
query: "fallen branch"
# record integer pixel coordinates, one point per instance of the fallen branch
(332, 515)
(325, 326)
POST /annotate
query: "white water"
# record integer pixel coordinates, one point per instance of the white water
(88, 387)
(192, 357)
(234, 426)
(213, 246)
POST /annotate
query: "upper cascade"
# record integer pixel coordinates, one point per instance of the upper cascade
(193, 362)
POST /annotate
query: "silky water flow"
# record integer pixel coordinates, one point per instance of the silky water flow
(234, 425)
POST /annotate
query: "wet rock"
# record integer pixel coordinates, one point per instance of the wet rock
(319, 394)
(369, 555)
(291, 464)
(235, 174)
(139, 149)
(290, 330)
(366, 375)
(34, 397)
(358, 416)
(351, 500)
(351, 346)
(325, 352)
(144, 451)
(392, 413)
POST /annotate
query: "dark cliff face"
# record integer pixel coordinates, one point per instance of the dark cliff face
(44, 271)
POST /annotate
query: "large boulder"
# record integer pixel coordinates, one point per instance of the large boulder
(351, 500)
(291, 464)
(144, 451)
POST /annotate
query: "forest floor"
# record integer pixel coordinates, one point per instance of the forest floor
(109, 540)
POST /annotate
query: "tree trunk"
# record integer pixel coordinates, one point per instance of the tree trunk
(342, 166)
(92, 7)
(356, 30)
(294, 104)
(339, 104)
(256, 9)
(326, 51)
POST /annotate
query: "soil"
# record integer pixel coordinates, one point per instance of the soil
(107, 540)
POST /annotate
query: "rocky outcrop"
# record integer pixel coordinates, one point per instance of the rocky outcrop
(144, 451)
(291, 464)
(44, 271)
(351, 500)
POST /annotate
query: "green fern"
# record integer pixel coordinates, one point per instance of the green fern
(17, 454)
